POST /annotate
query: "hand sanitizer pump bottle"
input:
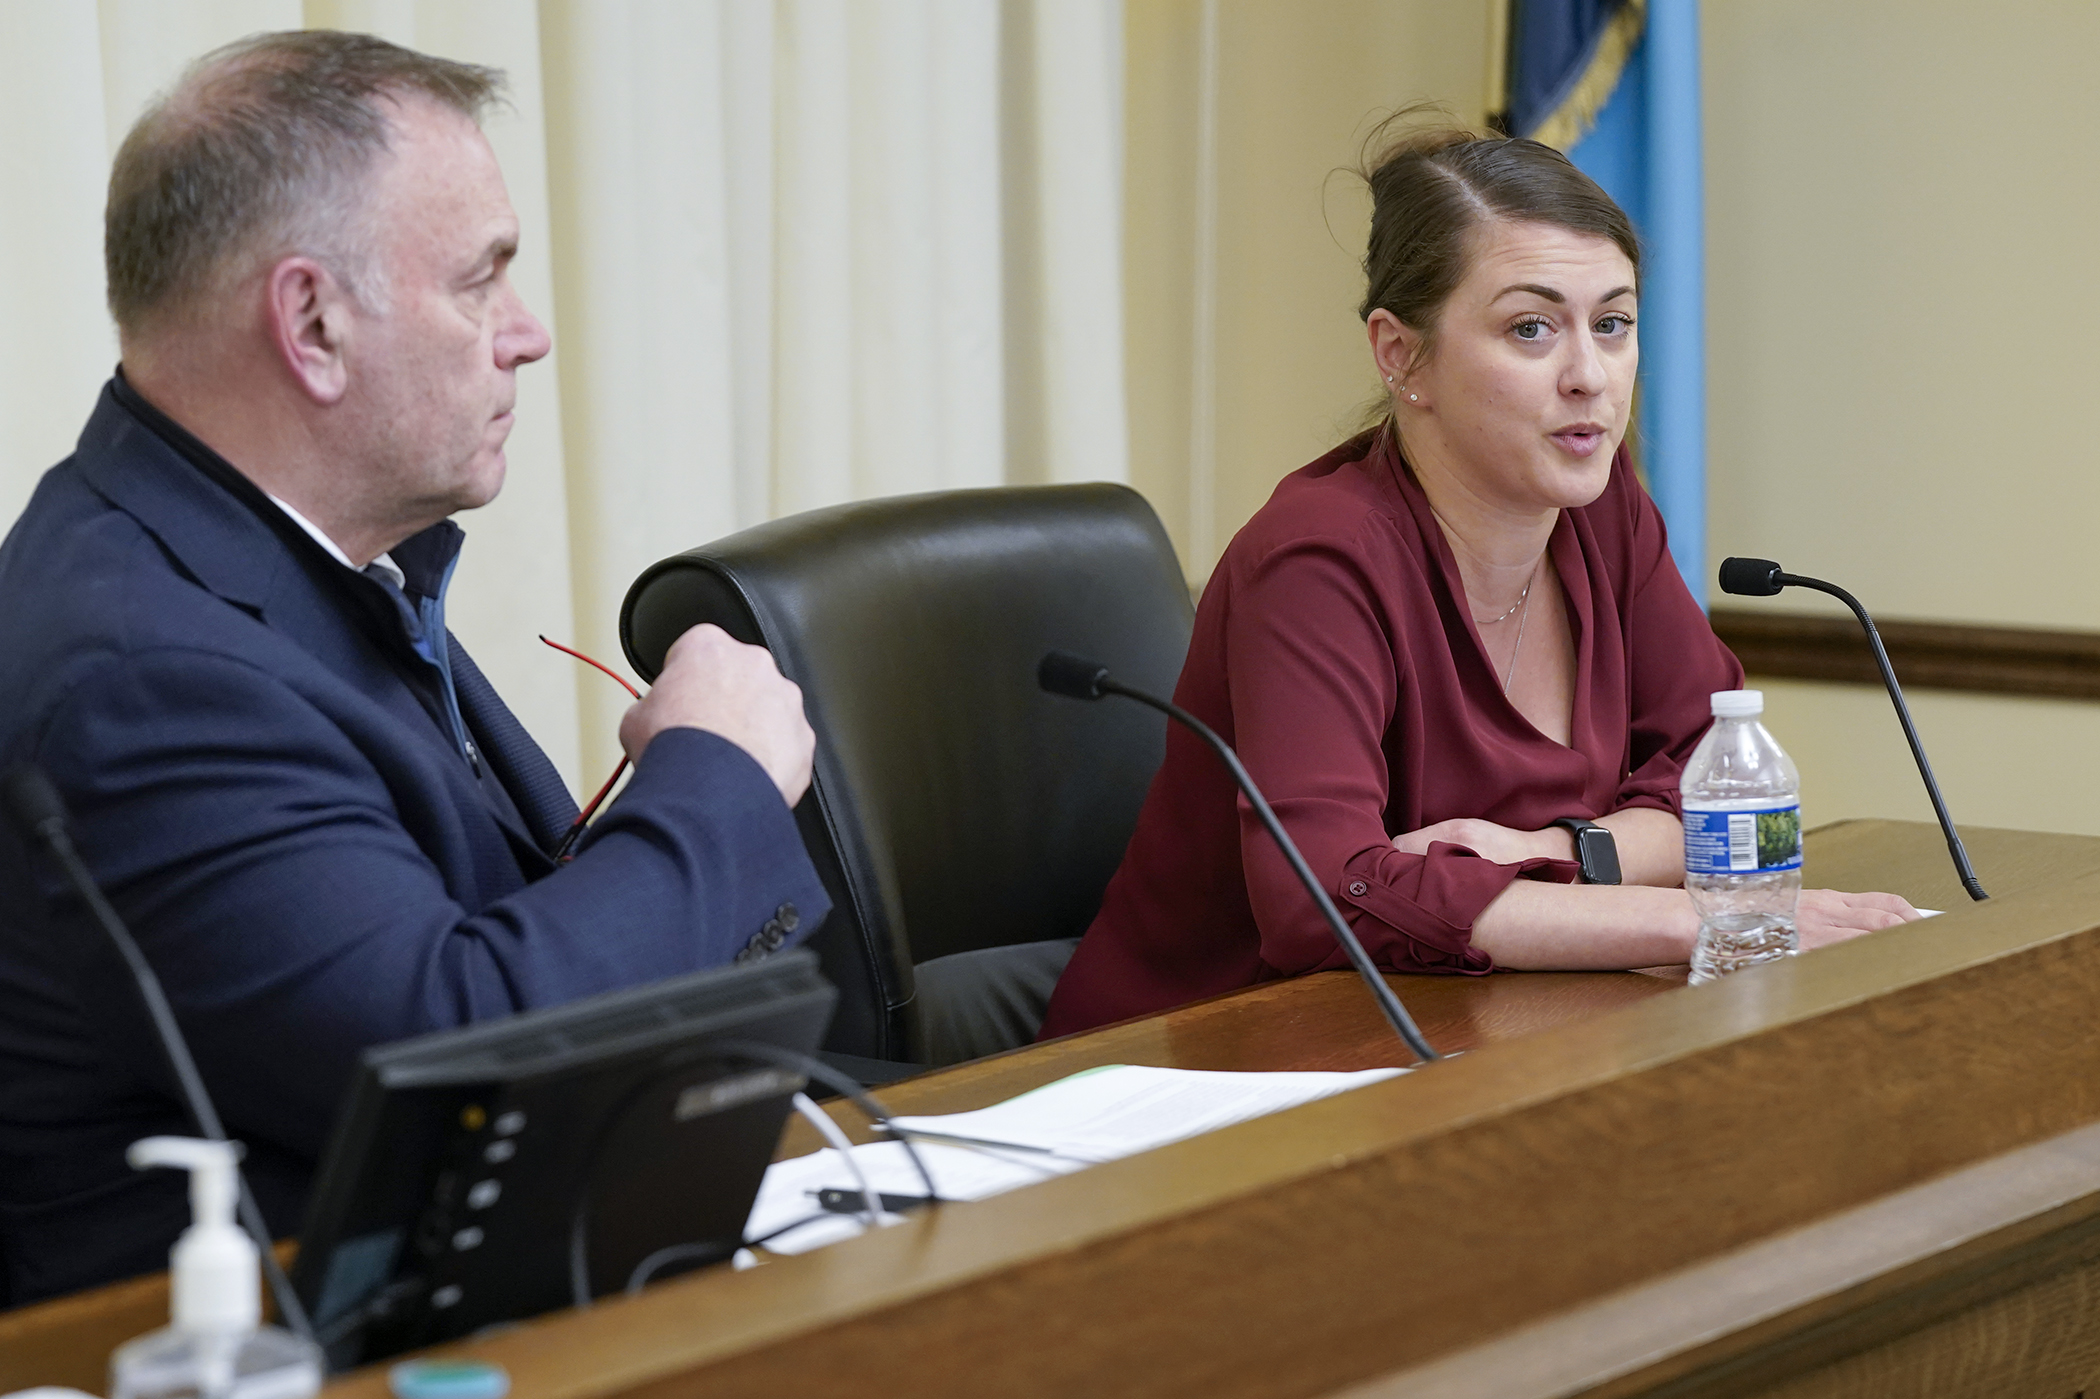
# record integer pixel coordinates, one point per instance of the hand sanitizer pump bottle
(215, 1346)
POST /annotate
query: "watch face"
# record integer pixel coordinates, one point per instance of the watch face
(1599, 854)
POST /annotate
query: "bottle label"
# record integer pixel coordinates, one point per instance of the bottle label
(1742, 842)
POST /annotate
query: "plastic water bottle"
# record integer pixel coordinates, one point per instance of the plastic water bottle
(1742, 841)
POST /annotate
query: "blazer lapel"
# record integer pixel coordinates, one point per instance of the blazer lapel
(542, 798)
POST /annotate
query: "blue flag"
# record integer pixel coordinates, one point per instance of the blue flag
(1615, 84)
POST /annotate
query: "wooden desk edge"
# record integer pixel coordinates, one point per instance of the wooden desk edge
(837, 1282)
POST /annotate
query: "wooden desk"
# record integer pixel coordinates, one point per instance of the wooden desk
(1624, 1189)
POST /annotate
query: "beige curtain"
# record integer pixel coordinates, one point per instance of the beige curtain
(793, 252)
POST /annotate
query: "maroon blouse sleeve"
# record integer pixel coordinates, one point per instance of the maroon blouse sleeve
(1309, 658)
(1675, 663)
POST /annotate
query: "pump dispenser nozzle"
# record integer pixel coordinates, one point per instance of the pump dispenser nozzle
(215, 1270)
(215, 1346)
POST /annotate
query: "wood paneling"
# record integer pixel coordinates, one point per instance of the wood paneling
(1950, 1287)
(1926, 655)
(2037, 1340)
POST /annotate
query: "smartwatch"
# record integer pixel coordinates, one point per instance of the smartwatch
(1595, 849)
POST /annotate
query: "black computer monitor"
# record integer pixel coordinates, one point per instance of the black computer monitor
(486, 1174)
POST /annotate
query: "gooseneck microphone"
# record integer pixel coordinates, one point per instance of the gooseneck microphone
(40, 814)
(1763, 578)
(1064, 674)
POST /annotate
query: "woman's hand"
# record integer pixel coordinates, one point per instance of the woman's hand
(1826, 916)
(1534, 926)
(1500, 844)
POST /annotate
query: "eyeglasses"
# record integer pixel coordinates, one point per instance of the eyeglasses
(583, 817)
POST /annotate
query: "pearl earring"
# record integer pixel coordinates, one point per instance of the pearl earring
(1412, 399)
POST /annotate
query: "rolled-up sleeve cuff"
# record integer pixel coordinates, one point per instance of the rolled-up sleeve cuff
(1417, 912)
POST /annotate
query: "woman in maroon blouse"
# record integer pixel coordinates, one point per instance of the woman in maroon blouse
(1442, 637)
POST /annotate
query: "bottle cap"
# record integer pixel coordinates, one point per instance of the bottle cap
(1738, 704)
(215, 1271)
(448, 1379)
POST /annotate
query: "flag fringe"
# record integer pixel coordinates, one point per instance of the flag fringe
(1577, 113)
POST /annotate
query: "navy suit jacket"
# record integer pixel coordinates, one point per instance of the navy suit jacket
(315, 850)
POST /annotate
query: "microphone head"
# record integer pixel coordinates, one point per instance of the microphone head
(32, 802)
(1751, 577)
(1062, 673)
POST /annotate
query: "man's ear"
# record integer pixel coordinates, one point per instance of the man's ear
(309, 313)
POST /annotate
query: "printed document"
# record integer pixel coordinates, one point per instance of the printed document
(1076, 1122)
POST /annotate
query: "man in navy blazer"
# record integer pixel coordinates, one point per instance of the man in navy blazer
(222, 635)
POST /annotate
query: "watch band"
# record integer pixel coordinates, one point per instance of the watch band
(1595, 849)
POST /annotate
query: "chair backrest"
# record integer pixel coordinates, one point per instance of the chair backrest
(955, 806)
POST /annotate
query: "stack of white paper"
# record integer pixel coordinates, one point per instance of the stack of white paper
(1094, 1116)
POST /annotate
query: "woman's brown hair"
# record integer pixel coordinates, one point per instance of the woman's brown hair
(1432, 187)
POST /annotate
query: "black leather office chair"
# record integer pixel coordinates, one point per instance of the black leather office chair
(956, 808)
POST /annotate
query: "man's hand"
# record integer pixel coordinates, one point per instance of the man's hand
(725, 687)
(1501, 844)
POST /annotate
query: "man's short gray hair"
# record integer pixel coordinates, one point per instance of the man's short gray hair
(260, 151)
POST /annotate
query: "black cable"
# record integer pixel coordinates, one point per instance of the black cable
(579, 1213)
(655, 1262)
(650, 1266)
(870, 1106)
(771, 1234)
(806, 1064)
(380, 1304)
(36, 804)
(841, 1200)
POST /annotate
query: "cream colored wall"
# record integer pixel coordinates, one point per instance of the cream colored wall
(2001, 761)
(1902, 199)
(1296, 87)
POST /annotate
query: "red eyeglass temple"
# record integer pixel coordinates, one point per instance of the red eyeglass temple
(572, 651)
(583, 818)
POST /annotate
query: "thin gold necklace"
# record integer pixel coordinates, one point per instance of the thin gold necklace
(1519, 646)
(1521, 597)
